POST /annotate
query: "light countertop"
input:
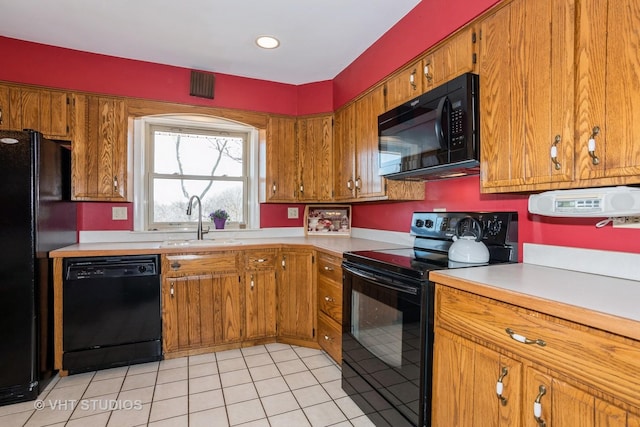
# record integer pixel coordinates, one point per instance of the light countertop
(599, 301)
(334, 245)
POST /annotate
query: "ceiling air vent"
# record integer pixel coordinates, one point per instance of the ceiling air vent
(202, 84)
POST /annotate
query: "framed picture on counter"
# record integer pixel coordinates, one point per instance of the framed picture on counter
(327, 220)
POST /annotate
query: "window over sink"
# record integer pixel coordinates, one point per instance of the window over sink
(177, 157)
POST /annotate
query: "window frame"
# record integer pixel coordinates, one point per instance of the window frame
(143, 157)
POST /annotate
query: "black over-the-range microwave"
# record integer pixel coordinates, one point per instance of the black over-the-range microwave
(433, 136)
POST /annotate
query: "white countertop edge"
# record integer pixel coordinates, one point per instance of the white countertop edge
(117, 236)
(623, 265)
(608, 295)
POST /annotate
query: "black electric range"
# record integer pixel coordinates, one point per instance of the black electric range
(388, 299)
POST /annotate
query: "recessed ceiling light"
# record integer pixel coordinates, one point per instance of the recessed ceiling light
(267, 42)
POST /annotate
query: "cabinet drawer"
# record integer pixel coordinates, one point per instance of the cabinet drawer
(330, 337)
(330, 298)
(597, 358)
(260, 260)
(330, 266)
(221, 262)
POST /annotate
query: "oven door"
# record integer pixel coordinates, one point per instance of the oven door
(385, 362)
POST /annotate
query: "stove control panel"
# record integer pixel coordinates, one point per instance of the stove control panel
(497, 228)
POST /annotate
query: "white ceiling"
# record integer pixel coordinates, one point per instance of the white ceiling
(318, 38)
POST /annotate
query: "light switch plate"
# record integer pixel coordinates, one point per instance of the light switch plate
(292, 213)
(118, 213)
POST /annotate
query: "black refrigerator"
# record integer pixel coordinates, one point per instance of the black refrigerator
(36, 216)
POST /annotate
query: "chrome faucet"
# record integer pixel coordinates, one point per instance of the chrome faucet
(199, 232)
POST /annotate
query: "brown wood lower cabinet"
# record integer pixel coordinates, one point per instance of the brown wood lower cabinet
(330, 304)
(201, 301)
(260, 294)
(296, 296)
(573, 376)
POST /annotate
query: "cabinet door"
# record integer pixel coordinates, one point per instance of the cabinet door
(314, 137)
(281, 160)
(564, 405)
(454, 57)
(260, 302)
(8, 109)
(406, 84)
(465, 384)
(46, 111)
(296, 295)
(100, 159)
(606, 97)
(527, 75)
(344, 152)
(368, 182)
(201, 310)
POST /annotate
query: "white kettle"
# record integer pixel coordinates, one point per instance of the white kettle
(469, 248)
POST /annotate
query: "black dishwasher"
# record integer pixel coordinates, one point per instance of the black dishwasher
(111, 312)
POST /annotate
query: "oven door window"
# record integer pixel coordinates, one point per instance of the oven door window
(385, 343)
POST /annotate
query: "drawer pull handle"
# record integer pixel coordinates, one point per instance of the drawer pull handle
(523, 339)
(252, 282)
(175, 265)
(328, 338)
(171, 291)
(537, 407)
(328, 299)
(261, 260)
(327, 268)
(500, 386)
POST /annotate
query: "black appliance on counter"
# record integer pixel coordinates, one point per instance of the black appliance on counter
(36, 217)
(433, 136)
(388, 300)
(111, 312)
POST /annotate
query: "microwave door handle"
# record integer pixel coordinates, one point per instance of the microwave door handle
(438, 124)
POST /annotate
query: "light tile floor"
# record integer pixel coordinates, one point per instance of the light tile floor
(268, 385)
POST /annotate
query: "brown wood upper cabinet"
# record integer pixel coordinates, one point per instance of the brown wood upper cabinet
(43, 110)
(356, 168)
(101, 153)
(314, 140)
(280, 160)
(297, 159)
(455, 56)
(572, 113)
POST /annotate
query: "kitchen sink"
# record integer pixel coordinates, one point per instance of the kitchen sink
(198, 243)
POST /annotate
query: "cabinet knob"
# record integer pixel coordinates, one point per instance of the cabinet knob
(412, 79)
(328, 299)
(592, 145)
(252, 283)
(327, 268)
(537, 406)
(523, 339)
(500, 386)
(171, 291)
(259, 260)
(115, 183)
(274, 187)
(554, 153)
(427, 74)
(327, 338)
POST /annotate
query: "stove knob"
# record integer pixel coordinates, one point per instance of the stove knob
(428, 224)
(419, 223)
(142, 269)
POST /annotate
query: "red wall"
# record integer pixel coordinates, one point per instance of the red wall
(424, 26)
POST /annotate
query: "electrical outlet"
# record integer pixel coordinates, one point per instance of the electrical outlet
(118, 213)
(292, 213)
(627, 222)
